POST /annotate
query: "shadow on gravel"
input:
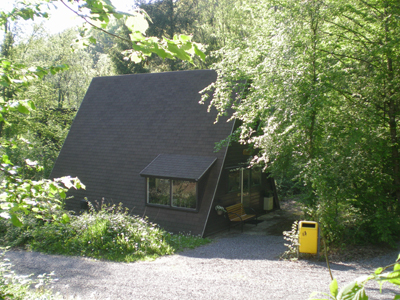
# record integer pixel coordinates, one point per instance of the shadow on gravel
(254, 247)
(242, 247)
(262, 242)
(334, 266)
(68, 268)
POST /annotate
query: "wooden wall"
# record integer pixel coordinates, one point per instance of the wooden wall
(236, 156)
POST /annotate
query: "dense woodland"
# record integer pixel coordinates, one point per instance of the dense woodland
(320, 105)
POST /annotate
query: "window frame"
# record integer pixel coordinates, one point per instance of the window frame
(236, 184)
(240, 170)
(170, 201)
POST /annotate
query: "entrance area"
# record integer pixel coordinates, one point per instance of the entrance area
(244, 181)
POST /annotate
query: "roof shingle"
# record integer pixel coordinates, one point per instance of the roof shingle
(175, 166)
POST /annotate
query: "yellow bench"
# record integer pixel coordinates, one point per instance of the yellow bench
(236, 213)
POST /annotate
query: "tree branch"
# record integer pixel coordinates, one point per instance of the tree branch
(91, 24)
(350, 30)
(347, 38)
(347, 56)
(369, 5)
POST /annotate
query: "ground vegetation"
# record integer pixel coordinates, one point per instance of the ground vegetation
(106, 232)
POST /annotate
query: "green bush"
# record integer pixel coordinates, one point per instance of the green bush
(109, 233)
(343, 223)
(13, 236)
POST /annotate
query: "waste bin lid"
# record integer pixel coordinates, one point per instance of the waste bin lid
(308, 224)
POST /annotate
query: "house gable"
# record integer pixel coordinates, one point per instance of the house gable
(125, 123)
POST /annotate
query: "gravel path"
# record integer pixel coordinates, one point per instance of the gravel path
(234, 266)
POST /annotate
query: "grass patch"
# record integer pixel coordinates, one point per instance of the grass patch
(109, 233)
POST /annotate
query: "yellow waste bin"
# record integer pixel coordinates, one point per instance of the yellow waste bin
(308, 237)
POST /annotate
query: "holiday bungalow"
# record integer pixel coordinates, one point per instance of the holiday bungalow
(145, 141)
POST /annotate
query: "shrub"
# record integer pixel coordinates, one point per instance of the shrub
(292, 242)
(13, 236)
(109, 233)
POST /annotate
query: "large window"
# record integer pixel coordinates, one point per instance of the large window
(256, 176)
(172, 193)
(183, 194)
(234, 181)
(243, 178)
(158, 191)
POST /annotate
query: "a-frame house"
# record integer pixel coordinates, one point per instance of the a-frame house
(145, 141)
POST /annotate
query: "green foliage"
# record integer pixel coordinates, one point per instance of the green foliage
(321, 107)
(20, 195)
(292, 239)
(115, 50)
(56, 95)
(42, 198)
(13, 236)
(38, 137)
(50, 128)
(168, 19)
(110, 233)
(17, 287)
(356, 290)
(99, 16)
(62, 90)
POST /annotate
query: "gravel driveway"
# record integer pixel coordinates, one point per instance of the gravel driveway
(234, 266)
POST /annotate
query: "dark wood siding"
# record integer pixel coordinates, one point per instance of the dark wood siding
(124, 123)
(236, 156)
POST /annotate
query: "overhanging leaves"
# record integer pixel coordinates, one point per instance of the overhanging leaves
(99, 17)
(15, 221)
(333, 288)
(352, 291)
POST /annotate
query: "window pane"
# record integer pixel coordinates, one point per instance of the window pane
(246, 180)
(183, 194)
(158, 191)
(234, 180)
(256, 176)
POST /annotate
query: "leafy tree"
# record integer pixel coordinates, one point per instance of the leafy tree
(216, 23)
(43, 198)
(170, 18)
(211, 22)
(65, 89)
(114, 48)
(56, 96)
(18, 193)
(322, 106)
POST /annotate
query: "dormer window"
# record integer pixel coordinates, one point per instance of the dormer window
(173, 193)
(172, 180)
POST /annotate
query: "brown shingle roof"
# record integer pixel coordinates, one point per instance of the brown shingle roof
(124, 123)
(174, 166)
